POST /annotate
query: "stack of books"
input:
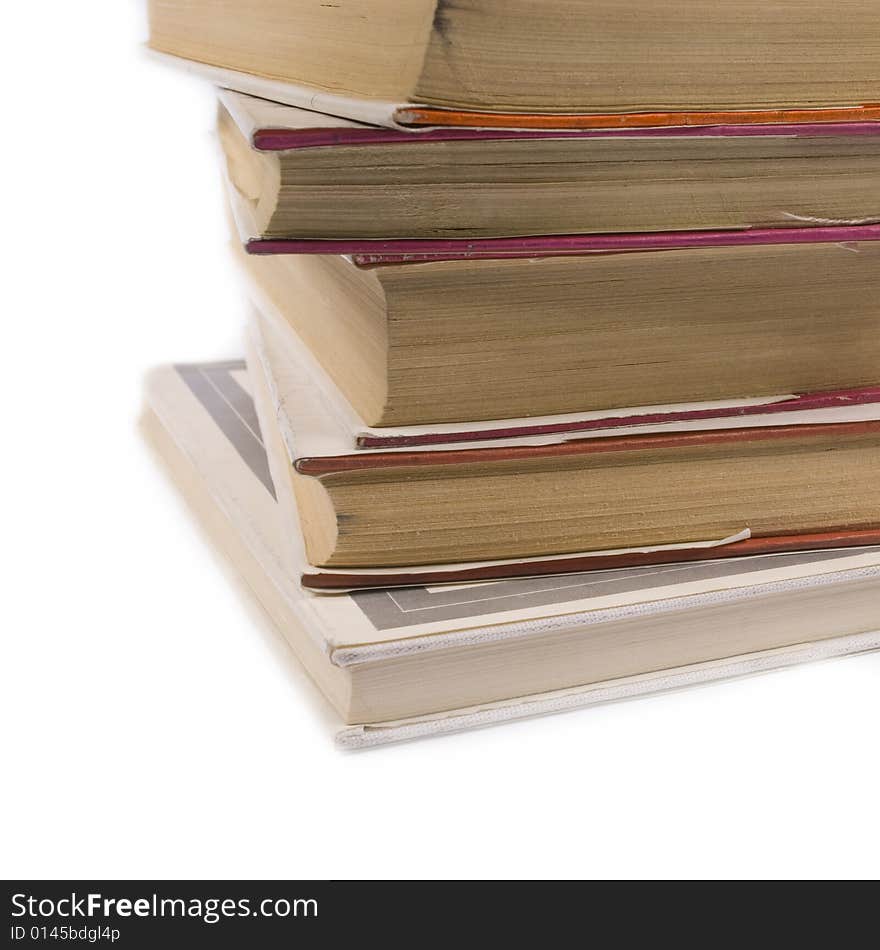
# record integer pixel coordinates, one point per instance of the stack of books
(563, 375)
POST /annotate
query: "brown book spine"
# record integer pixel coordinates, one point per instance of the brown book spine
(778, 544)
(629, 443)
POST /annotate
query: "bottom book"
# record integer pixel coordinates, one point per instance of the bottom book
(403, 664)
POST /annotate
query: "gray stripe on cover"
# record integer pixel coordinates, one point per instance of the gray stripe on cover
(232, 409)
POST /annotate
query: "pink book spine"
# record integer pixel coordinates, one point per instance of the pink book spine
(414, 250)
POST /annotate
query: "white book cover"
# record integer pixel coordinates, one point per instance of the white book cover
(375, 112)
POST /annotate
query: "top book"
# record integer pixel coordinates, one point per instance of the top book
(426, 58)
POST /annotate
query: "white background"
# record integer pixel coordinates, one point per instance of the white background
(155, 725)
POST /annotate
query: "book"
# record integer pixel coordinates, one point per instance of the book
(400, 665)
(531, 508)
(312, 329)
(291, 179)
(450, 342)
(424, 59)
(419, 119)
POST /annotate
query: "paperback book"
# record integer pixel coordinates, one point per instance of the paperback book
(521, 63)
(303, 176)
